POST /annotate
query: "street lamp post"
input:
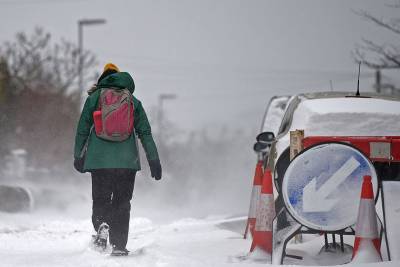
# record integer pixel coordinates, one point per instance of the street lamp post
(81, 23)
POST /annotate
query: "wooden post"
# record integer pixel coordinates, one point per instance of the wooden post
(296, 142)
(296, 146)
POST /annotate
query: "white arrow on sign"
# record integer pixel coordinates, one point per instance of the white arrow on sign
(316, 200)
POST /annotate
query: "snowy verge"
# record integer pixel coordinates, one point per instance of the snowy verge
(40, 241)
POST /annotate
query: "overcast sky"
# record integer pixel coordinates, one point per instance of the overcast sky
(224, 59)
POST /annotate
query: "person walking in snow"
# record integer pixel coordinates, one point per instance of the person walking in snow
(106, 146)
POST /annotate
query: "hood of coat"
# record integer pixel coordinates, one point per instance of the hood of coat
(119, 80)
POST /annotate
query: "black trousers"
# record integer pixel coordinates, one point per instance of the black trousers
(112, 191)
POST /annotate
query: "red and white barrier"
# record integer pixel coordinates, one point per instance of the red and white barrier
(255, 195)
(367, 242)
(262, 237)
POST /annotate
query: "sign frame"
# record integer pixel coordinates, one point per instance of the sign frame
(303, 221)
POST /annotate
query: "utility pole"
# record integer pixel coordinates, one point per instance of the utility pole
(81, 23)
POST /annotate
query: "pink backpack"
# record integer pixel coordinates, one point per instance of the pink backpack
(114, 119)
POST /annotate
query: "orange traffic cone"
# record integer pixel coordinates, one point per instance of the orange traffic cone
(255, 195)
(262, 236)
(367, 243)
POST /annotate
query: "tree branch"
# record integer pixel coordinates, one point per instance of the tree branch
(394, 26)
(36, 64)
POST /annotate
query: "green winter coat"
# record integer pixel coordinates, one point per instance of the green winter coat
(102, 154)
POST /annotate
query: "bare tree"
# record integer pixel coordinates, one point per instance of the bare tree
(39, 100)
(5, 121)
(35, 64)
(379, 55)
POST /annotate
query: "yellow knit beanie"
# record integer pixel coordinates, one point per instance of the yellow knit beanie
(111, 66)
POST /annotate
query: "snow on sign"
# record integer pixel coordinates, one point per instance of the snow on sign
(321, 187)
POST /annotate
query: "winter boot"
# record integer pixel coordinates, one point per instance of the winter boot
(100, 240)
(119, 251)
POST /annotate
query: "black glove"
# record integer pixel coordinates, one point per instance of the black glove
(78, 164)
(155, 169)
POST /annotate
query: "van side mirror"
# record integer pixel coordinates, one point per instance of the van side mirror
(261, 147)
(266, 137)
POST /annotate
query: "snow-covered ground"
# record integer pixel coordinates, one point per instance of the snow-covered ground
(58, 233)
(40, 239)
(27, 240)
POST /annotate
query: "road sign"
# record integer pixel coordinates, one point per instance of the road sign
(321, 187)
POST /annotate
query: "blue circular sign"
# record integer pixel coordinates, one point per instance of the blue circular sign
(322, 186)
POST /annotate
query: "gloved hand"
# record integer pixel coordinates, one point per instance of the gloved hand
(78, 164)
(155, 168)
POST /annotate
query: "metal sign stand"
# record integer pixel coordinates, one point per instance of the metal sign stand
(281, 240)
(297, 216)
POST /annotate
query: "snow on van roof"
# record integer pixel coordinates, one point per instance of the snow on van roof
(347, 116)
(352, 105)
